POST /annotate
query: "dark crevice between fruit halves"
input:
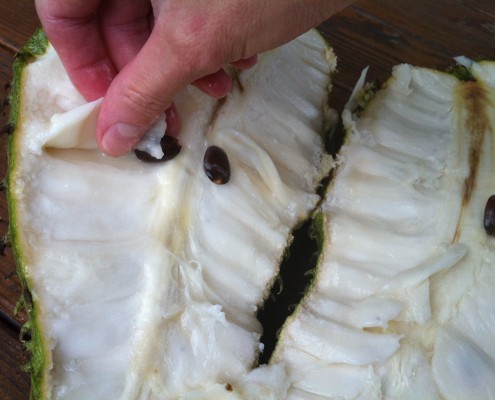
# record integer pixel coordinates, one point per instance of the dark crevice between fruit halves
(300, 262)
(289, 289)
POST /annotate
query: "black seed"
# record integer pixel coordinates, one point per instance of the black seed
(489, 217)
(170, 147)
(229, 387)
(144, 156)
(216, 165)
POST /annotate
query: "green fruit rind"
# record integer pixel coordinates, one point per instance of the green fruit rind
(35, 46)
(38, 362)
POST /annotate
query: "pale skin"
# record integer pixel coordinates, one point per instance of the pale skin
(139, 54)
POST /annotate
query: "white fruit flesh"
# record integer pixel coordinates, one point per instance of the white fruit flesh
(146, 278)
(403, 306)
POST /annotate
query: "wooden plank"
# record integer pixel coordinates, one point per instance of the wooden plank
(14, 382)
(440, 31)
(18, 22)
(10, 289)
(381, 34)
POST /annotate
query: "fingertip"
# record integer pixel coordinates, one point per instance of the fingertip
(119, 139)
(215, 85)
(173, 121)
(246, 63)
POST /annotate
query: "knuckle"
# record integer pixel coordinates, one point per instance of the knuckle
(144, 103)
(200, 44)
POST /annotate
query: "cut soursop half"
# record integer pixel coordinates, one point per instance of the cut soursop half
(145, 279)
(403, 304)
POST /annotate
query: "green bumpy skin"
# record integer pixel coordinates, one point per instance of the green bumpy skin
(36, 46)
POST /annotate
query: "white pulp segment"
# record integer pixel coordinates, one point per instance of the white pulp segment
(76, 129)
(146, 278)
(403, 302)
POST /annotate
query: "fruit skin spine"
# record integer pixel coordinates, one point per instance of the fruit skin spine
(34, 47)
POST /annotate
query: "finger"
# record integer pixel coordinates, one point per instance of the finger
(215, 85)
(173, 121)
(246, 63)
(141, 92)
(125, 27)
(72, 28)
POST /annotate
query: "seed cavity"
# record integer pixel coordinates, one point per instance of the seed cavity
(489, 216)
(170, 147)
(216, 165)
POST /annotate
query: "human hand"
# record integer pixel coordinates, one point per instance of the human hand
(139, 53)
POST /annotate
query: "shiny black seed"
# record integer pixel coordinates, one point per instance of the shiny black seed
(170, 147)
(216, 165)
(144, 156)
(489, 216)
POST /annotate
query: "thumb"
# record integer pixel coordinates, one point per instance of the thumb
(138, 95)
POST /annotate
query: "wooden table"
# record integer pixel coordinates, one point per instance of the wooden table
(378, 33)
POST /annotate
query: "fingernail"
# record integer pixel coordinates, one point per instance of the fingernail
(120, 138)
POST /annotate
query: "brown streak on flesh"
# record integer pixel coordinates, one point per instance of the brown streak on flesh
(234, 74)
(238, 82)
(216, 111)
(475, 101)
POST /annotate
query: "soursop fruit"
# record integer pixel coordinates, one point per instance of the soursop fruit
(145, 279)
(403, 303)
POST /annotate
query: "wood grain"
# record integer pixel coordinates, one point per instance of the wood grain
(384, 33)
(14, 381)
(18, 22)
(378, 33)
(10, 289)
